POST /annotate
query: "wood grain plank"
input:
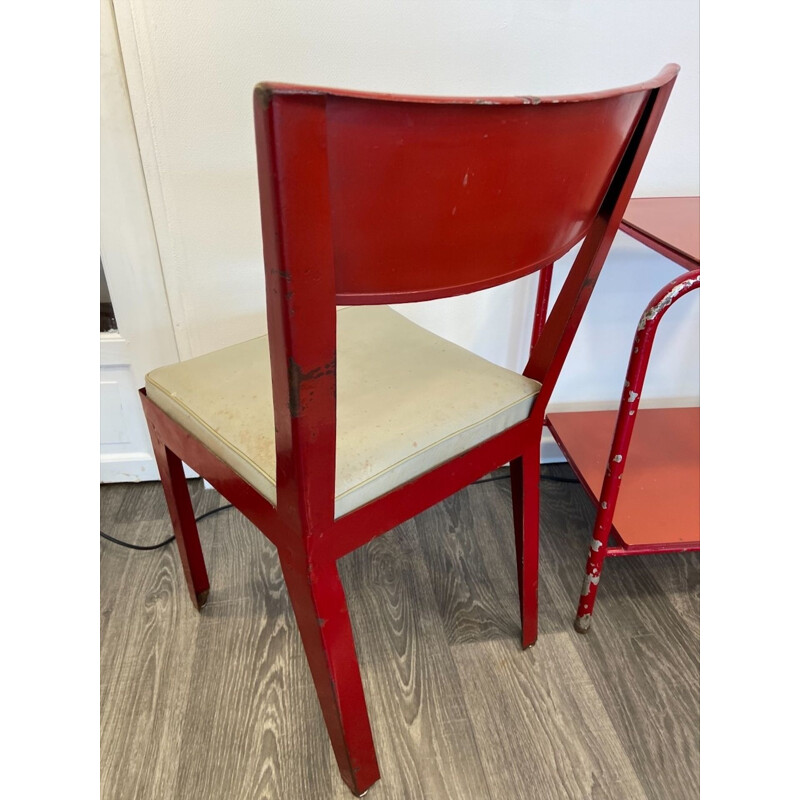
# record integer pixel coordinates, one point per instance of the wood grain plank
(546, 726)
(146, 652)
(113, 559)
(424, 739)
(465, 585)
(678, 574)
(254, 728)
(642, 658)
(138, 516)
(111, 496)
(221, 704)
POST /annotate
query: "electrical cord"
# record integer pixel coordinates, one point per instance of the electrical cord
(551, 478)
(223, 508)
(166, 541)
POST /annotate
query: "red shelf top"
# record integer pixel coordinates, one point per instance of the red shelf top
(670, 225)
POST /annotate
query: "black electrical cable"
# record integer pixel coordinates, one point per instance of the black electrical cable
(541, 477)
(222, 508)
(493, 478)
(166, 541)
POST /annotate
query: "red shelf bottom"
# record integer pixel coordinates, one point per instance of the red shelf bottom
(659, 501)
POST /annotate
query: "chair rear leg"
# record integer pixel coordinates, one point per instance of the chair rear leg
(525, 498)
(176, 492)
(321, 611)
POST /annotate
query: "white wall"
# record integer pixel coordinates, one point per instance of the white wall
(191, 67)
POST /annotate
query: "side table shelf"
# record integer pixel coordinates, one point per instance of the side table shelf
(656, 508)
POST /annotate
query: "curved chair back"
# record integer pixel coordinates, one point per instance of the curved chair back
(381, 199)
(430, 197)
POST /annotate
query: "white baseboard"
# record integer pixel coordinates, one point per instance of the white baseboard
(132, 468)
(127, 468)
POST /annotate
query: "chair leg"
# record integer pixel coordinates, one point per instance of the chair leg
(176, 492)
(321, 611)
(525, 499)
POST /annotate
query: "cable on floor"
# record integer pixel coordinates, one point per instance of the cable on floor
(552, 478)
(166, 541)
(222, 508)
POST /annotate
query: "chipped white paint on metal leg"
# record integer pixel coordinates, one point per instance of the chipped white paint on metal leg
(666, 301)
(588, 581)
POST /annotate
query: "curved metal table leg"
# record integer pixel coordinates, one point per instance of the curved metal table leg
(626, 417)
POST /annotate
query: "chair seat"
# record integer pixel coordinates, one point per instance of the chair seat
(407, 401)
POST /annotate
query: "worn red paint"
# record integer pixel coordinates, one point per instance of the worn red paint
(626, 419)
(542, 303)
(378, 199)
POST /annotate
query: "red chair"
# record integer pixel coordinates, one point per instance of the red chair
(344, 424)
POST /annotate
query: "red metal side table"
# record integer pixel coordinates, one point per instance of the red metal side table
(657, 509)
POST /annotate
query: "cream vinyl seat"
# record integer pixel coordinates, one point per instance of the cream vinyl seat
(407, 401)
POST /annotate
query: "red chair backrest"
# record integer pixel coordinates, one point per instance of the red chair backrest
(380, 199)
(438, 199)
(431, 197)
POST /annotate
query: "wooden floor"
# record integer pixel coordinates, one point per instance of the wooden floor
(220, 704)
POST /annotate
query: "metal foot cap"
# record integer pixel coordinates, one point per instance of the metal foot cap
(583, 623)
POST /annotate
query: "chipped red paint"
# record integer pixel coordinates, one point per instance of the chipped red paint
(378, 199)
(626, 418)
(542, 303)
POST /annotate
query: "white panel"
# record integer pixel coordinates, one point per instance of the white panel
(113, 425)
(127, 241)
(133, 271)
(114, 350)
(122, 426)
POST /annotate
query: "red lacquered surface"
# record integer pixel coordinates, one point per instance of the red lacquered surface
(669, 225)
(496, 180)
(659, 497)
(430, 197)
(378, 199)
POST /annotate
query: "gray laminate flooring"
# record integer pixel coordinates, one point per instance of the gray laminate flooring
(220, 704)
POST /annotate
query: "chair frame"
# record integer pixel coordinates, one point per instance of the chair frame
(301, 525)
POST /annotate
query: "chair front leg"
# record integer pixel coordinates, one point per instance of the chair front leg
(321, 610)
(525, 499)
(176, 492)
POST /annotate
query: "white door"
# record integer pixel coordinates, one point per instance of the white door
(144, 337)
